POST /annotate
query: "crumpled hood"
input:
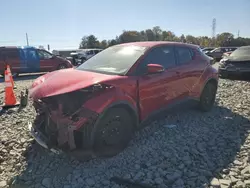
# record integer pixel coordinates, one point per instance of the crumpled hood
(64, 81)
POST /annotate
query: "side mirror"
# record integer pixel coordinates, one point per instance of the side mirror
(155, 68)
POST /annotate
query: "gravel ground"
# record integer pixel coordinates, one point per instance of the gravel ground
(185, 148)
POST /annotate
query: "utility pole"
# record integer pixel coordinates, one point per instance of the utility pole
(213, 30)
(27, 39)
(238, 33)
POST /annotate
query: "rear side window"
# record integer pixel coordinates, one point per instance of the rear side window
(184, 54)
(10, 54)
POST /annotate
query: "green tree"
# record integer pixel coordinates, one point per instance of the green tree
(104, 44)
(224, 39)
(191, 39)
(144, 36)
(150, 35)
(129, 36)
(182, 38)
(84, 42)
(157, 33)
(89, 42)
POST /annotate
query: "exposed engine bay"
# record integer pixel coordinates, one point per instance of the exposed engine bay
(64, 122)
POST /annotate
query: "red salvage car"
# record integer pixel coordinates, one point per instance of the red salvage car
(98, 105)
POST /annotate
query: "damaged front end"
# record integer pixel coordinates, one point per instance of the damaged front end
(62, 121)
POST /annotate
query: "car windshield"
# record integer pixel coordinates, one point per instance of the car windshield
(114, 60)
(243, 51)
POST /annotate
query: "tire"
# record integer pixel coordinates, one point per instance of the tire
(113, 132)
(208, 96)
(62, 66)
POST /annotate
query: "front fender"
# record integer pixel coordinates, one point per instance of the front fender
(109, 99)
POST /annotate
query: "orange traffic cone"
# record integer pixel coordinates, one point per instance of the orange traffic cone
(9, 73)
(10, 98)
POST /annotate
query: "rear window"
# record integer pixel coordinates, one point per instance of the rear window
(242, 51)
(8, 54)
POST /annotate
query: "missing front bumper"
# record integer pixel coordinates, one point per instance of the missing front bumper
(40, 140)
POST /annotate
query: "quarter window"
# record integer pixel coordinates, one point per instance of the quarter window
(184, 55)
(10, 54)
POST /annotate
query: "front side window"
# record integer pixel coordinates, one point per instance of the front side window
(44, 55)
(161, 55)
(184, 55)
(114, 60)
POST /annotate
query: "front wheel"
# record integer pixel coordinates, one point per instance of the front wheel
(207, 98)
(113, 132)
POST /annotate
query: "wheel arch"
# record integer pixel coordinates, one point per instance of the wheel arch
(212, 81)
(125, 105)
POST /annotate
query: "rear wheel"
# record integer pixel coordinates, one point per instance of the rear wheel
(113, 132)
(207, 98)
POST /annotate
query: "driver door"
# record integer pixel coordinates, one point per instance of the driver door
(46, 61)
(158, 90)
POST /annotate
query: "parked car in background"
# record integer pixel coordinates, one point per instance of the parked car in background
(65, 52)
(237, 63)
(84, 54)
(98, 105)
(29, 60)
(218, 52)
(226, 54)
(207, 49)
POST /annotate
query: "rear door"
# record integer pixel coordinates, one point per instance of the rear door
(156, 91)
(11, 57)
(190, 67)
(47, 62)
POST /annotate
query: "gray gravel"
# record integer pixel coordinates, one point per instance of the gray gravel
(185, 148)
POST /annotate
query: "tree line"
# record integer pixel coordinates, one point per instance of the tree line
(157, 34)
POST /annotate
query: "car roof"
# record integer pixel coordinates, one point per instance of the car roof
(152, 44)
(16, 47)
